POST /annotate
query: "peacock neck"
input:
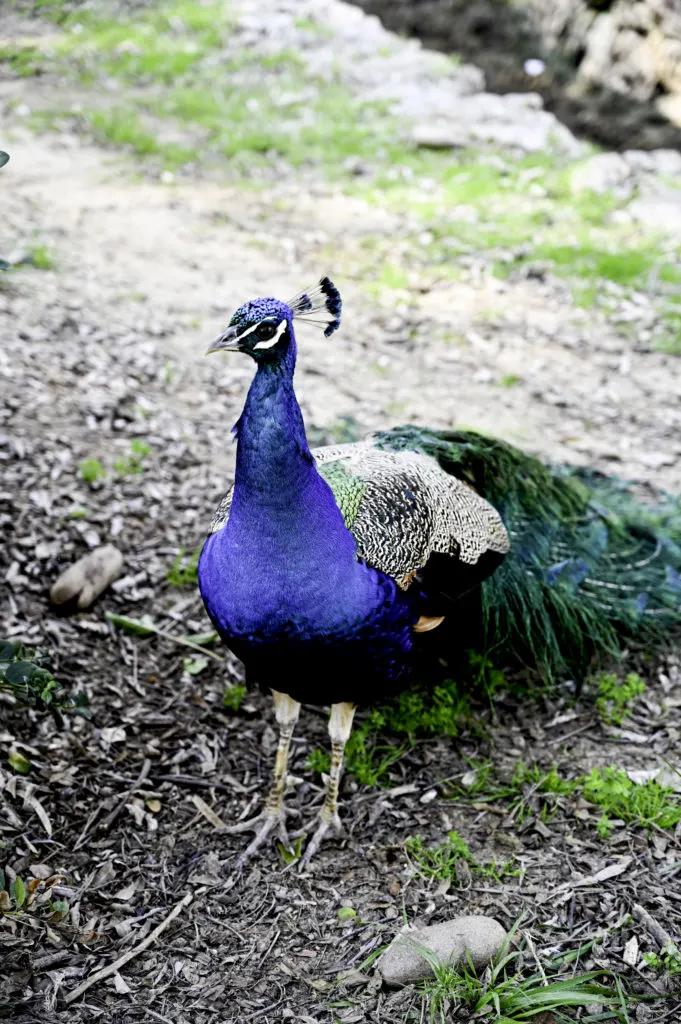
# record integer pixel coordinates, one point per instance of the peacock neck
(279, 497)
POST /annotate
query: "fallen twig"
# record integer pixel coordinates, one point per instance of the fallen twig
(662, 937)
(107, 971)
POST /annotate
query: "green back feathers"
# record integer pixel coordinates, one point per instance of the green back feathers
(348, 489)
(591, 564)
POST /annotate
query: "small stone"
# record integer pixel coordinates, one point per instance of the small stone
(658, 214)
(630, 953)
(602, 173)
(452, 942)
(87, 578)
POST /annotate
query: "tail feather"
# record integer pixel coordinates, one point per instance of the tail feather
(595, 562)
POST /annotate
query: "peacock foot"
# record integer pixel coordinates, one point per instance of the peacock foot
(328, 822)
(272, 819)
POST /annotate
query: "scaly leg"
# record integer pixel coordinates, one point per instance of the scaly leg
(340, 727)
(286, 711)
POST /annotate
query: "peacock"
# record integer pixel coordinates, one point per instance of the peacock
(332, 573)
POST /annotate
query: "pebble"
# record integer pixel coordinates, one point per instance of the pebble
(87, 578)
(452, 941)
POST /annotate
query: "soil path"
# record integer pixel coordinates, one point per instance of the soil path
(185, 255)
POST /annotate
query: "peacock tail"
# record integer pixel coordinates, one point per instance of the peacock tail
(593, 564)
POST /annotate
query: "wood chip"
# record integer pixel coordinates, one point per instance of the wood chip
(208, 812)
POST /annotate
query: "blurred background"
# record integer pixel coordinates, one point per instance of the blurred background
(494, 187)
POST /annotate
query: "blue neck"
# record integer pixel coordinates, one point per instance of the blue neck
(280, 501)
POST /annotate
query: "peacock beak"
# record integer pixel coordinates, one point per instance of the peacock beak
(228, 340)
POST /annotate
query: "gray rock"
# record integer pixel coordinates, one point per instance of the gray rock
(667, 162)
(87, 578)
(603, 173)
(659, 214)
(452, 942)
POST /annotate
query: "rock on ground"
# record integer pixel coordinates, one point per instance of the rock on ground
(451, 942)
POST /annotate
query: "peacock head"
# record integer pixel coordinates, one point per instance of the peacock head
(263, 328)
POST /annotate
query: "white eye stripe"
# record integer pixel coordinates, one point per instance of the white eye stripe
(271, 342)
(249, 331)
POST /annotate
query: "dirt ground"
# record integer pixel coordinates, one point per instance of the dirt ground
(105, 348)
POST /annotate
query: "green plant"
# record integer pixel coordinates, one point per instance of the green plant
(441, 860)
(40, 257)
(647, 804)
(234, 697)
(669, 960)
(27, 676)
(509, 380)
(35, 898)
(91, 470)
(614, 698)
(508, 994)
(184, 571)
(132, 464)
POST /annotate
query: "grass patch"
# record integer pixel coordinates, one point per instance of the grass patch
(132, 464)
(668, 961)
(439, 711)
(184, 571)
(510, 993)
(533, 790)
(614, 698)
(530, 790)
(234, 697)
(444, 860)
(91, 471)
(123, 127)
(185, 66)
(648, 804)
(41, 257)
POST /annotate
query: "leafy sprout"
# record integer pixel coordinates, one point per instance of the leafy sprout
(28, 678)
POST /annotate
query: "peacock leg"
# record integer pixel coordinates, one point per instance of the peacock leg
(340, 726)
(286, 711)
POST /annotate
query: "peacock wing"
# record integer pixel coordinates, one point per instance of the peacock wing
(221, 514)
(411, 518)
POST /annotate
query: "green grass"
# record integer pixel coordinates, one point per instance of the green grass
(438, 711)
(184, 571)
(132, 464)
(234, 697)
(182, 66)
(123, 127)
(668, 961)
(443, 861)
(614, 698)
(533, 790)
(41, 257)
(91, 471)
(510, 993)
(647, 805)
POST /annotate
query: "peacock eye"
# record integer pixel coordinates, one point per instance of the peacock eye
(265, 331)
